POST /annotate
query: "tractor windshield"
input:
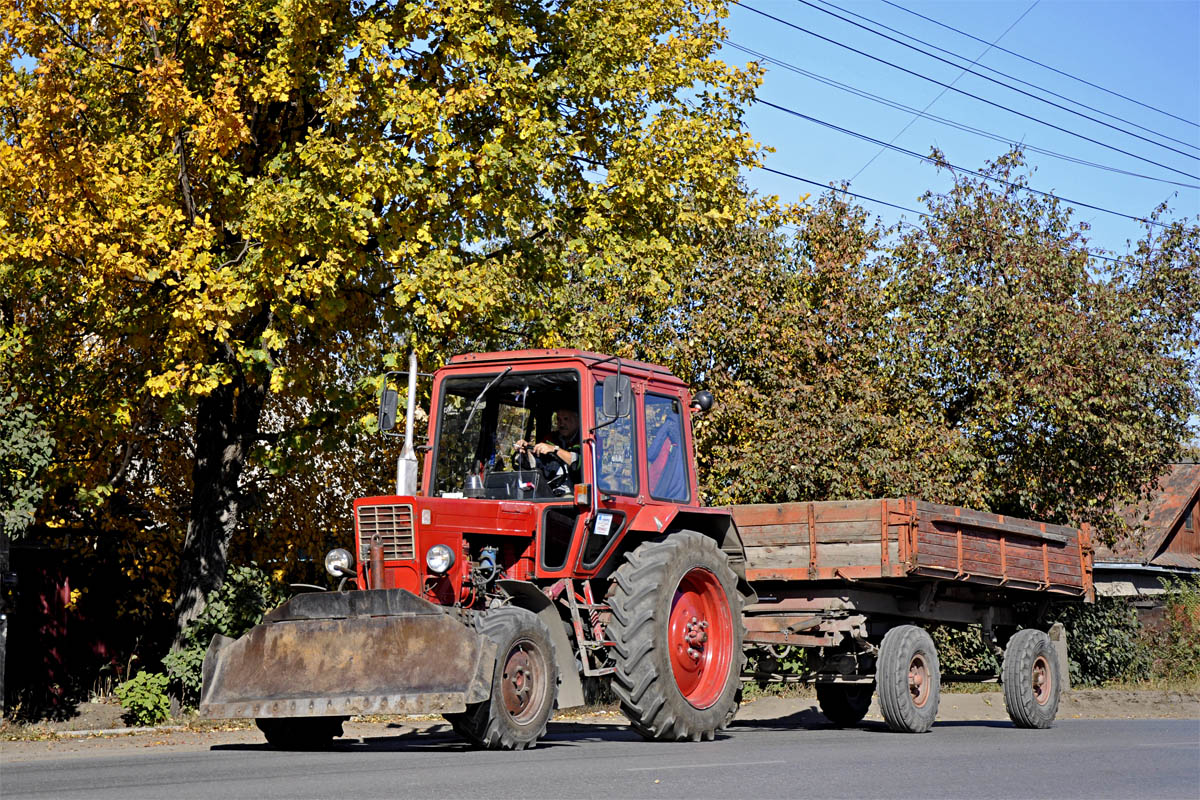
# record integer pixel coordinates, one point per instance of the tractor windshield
(483, 419)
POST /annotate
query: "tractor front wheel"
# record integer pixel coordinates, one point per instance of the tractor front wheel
(677, 633)
(524, 683)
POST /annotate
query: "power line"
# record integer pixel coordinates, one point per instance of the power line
(935, 162)
(942, 93)
(991, 45)
(966, 93)
(923, 214)
(854, 90)
(1045, 66)
(996, 81)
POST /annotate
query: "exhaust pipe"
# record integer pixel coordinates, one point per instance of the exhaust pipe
(406, 465)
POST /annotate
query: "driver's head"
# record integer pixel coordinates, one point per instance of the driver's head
(567, 423)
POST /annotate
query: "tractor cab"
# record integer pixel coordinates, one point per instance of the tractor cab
(537, 464)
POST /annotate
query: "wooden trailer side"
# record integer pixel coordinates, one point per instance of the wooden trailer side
(852, 539)
(895, 537)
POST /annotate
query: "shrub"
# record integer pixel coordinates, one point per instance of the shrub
(235, 608)
(961, 651)
(144, 698)
(1104, 641)
(1175, 652)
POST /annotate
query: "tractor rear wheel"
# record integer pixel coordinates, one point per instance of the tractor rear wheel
(300, 733)
(524, 683)
(677, 633)
(1031, 679)
(844, 704)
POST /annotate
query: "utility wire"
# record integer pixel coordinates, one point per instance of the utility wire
(940, 94)
(854, 90)
(923, 214)
(1011, 77)
(1045, 66)
(966, 93)
(996, 81)
(936, 162)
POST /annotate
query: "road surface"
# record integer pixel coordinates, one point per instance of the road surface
(785, 758)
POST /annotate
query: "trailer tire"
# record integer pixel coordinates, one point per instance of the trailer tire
(1031, 679)
(300, 733)
(908, 679)
(844, 704)
(524, 683)
(677, 612)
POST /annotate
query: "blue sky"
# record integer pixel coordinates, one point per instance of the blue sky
(1148, 51)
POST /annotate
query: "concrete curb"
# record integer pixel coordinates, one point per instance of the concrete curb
(120, 731)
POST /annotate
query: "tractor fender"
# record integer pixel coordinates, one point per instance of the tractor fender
(528, 596)
(715, 523)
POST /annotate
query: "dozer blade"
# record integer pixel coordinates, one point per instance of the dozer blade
(382, 651)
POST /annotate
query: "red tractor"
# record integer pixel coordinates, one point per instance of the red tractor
(560, 536)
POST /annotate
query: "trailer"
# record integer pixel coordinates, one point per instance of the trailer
(850, 582)
(559, 535)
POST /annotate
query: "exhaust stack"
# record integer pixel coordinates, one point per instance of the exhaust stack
(406, 465)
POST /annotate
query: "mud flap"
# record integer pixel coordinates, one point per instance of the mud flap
(330, 654)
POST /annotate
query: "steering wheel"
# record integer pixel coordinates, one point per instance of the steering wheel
(552, 468)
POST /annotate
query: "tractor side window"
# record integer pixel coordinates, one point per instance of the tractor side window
(666, 462)
(615, 456)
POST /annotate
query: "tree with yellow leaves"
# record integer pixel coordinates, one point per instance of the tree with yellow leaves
(216, 216)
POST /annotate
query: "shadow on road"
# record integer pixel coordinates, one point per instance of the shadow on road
(570, 734)
(442, 739)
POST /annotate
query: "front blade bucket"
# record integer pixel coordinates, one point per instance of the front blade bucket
(332, 654)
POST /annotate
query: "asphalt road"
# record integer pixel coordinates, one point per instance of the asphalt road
(755, 759)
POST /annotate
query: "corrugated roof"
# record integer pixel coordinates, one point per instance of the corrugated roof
(1158, 517)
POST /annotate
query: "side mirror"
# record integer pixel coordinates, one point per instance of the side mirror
(388, 401)
(617, 396)
(702, 401)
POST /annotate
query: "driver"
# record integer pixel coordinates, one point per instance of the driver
(563, 444)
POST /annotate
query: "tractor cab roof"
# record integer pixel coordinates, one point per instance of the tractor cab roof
(643, 369)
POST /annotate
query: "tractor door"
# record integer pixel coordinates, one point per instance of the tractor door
(616, 481)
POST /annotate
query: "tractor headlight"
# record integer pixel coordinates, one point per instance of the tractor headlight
(439, 558)
(338, 562)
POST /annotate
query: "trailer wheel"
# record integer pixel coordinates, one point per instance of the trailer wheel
(524, 683)
(300, 733)
(677, 633)
(1031, 680)
(908, 679)
(845, 704)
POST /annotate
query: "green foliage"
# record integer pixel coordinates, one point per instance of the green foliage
(235, 608)
(1104, 641)
(144, 698)
(1069, 383)
(982, 358)
(961, 651)
(1175, 651)
(216, 217)
(25, 450)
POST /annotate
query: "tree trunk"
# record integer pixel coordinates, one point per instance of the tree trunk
(226, 427)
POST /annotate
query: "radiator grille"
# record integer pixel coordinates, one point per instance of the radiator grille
(394, 524)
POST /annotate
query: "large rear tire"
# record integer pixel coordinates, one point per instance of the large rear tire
(524, 683)
(1031, 679)
(845, 704)
(908, 679)
(300, 733)
(677, 633)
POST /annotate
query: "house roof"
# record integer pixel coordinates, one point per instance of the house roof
(1157, 517)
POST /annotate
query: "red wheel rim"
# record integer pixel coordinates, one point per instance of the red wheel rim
(523, 681)
(1043, 680)
(918, 680)
(700, 637)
